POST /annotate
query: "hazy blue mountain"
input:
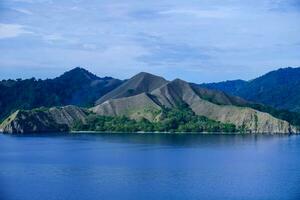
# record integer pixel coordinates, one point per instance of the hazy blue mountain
(230, 87)
(279, 89)
(75, 87)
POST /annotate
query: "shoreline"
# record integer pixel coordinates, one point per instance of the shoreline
(142, 132)
(182, 133)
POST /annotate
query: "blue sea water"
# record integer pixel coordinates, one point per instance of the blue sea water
(149, 166)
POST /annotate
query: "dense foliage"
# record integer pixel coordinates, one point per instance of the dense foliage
(76, 87)
(279, 89)
(291, 117)
(180, 119)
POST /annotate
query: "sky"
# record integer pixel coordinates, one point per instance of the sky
(199, 41)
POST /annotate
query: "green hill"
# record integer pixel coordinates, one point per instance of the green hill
(279, 89)
(76, 87)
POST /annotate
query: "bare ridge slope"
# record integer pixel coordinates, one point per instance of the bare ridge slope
(135, 107)
(179, 91)
(218, 97)
(142, 82)
(213, 105)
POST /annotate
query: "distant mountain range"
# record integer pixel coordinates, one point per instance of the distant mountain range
(279, 89)
(145, 102)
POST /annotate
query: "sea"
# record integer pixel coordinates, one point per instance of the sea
(91, 166)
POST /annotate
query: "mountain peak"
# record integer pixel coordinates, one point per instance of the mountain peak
(78, 69)
(178, 80)
(78, 73)
(144, 75)
(282, 76)
(142, 82)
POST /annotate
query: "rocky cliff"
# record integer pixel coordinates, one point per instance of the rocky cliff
(56, 119)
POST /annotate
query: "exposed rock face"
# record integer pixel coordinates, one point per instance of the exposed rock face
(211, 104)
(67, 114)
(43, 120)
(140, 83)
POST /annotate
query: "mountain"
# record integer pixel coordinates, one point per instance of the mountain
(218, 97)
(77, 87)
(142, 82)
(230, 87)
(150, 103)
(279, 89)
(55, 119)
(211, 104)
(84, 88)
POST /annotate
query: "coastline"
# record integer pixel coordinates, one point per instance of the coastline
(182, 133)
(145, 132)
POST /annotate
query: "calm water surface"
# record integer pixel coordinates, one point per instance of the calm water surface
(149, 166)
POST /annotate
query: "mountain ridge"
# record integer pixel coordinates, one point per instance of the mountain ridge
(178, 92)
(77, 87)
(279, 88)
(146, 97)
(141, 82)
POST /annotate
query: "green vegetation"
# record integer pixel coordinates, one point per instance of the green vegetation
(76, 87)
(180, 119)
(291, 117)
(279, 89)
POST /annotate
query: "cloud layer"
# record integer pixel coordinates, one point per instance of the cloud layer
(206, 40)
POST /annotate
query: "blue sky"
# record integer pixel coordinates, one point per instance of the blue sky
(200, 41)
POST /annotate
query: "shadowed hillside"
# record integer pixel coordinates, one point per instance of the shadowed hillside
(76, 87)
(279, 89)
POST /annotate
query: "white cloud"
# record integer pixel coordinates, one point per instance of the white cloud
(215, 13)
(12, 30)
(24, 11)
(53, 37)
(75, 8)
(57, 38)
